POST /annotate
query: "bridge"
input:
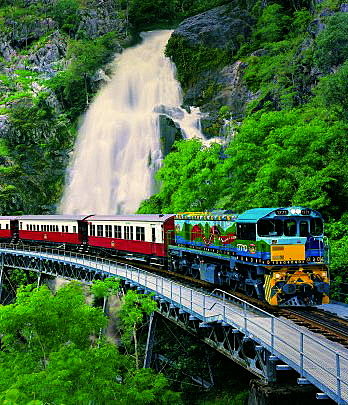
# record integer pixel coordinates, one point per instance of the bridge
(260, 342)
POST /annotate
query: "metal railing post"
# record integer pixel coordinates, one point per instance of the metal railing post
(301, 352)
(338, 375)
(245, 316)
(272, 333)
(191, 299)
(171, 290)
(204, 306)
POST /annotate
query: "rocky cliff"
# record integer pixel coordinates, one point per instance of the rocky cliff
(51, 63)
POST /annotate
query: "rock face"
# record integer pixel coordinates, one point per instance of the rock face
(224, 28)
(99, 21)
(169, 133)
(221, 27)
(22, 33)
(45, 57)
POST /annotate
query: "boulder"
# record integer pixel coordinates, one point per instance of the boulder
(222, 27)
(169, 133)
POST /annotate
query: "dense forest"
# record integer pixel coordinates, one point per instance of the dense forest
(55, 349)
(284, 122)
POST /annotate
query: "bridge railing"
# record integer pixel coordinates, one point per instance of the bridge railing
(319, 362)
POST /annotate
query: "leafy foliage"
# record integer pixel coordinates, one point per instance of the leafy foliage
(332, 43)
(50, 354)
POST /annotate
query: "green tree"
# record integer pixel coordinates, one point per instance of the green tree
(134, 307)
(105, 288)
(332, 43)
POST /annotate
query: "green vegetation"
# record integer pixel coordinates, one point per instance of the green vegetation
(42, 110)
(50, 353)
(291, 146)
(192, 60)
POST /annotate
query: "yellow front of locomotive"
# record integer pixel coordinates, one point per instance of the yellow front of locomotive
(294, 257)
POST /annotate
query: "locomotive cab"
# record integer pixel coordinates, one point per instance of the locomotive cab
(297, 272)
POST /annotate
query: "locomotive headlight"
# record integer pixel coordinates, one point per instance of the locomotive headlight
(277, 275)
(298, 211)
(293, 211)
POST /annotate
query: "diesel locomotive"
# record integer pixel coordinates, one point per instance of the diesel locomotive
(278, 255)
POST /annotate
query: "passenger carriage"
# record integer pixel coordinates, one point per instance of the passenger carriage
(8, 227)
(67, 229)
(138, 235)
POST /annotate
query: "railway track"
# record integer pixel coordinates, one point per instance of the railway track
(319, 321)
(315, 320)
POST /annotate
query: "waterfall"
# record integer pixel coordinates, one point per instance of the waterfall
(118, 147)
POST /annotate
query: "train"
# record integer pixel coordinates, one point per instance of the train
(277, 255)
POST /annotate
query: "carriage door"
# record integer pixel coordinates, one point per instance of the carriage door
(83, 231)
(153, 239)
(14, 226)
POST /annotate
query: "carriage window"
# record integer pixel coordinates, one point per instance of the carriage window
(74, 229)
(118, 231)
(290, 228)
(272, 227)
(316, 227)
(6, 226)
(153, 234)
(304, 231)
(246, 231)
(20, 225)
(99, 230)
(108, 231)
(92, 230)
(128, 232)
(139, 233)
(42, 228)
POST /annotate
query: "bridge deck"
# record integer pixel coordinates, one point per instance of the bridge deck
(320, 361)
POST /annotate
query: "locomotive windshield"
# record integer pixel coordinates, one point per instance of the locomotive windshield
(270, 227)
(317, 227)
(290, 227)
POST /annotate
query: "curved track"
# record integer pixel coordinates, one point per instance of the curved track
(315, 320)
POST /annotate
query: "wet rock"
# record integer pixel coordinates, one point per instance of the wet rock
(169, 133)
(171, 112)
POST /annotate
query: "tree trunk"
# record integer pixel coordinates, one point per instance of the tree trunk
(135, 347)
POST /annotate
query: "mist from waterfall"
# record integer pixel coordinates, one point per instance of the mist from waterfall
(118, 150)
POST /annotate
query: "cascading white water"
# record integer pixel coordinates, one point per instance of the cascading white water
(118, 145)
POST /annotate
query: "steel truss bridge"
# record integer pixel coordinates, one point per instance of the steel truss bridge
(258, 341)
